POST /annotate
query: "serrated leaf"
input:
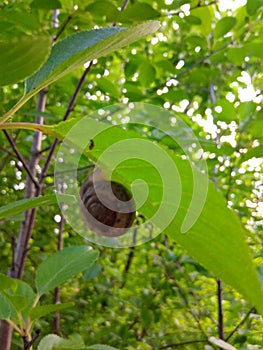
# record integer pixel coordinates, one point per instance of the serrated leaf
(62, 266)
(223, 26)
(21, 57)
(75, 50)
(30, 203)
(40, 311)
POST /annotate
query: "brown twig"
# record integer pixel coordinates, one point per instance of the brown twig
(240, 324)
(68, 111)
(177, 345)
(220, 309)
(28, 343)
(21, 158)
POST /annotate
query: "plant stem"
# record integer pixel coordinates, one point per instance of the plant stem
(220, 309)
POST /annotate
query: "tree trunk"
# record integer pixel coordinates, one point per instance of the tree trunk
(27, 224)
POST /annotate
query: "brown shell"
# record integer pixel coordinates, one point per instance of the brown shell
(115, 215)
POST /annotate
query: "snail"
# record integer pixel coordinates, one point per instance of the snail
(108, 207)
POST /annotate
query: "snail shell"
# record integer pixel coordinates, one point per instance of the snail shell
(108, 207)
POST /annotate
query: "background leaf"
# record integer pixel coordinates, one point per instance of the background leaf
(40, 311)
(21, 57)
(53, 341)
(253, 6)
(62, 266)
(224, 26)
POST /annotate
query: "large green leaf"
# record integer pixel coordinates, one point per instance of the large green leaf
(62, 266)
(14, 208)
(84, 46)
(216, 239)
(21, 57)
(76, 50)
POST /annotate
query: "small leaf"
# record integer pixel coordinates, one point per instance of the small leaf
(40, 311)
(229, 112)
(205, 16)
(106, 86)
(253, 6)
(256, 152)
(22, 57)
(46, 4)
(53, 341)
(246, 110)
(109, 10)
(30, 203)
(92, 272)
(236, 55)
(193, 20)
(224, 25)
(146, 73)
(139, 11)
(62, 266)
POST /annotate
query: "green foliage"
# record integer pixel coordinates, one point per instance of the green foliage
(62, 266)
(204, 65)
(18, 300)
(21, 57)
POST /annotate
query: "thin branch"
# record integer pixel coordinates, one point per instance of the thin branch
(220, 309)
(127, 266)
(177, 345)
(21, 158)
(68, 111)
(63, 27)
(240, 324)
(124, 5)
(86, 167)
(28, 343)
(56, 299)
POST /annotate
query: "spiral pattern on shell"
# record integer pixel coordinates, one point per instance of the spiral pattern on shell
(107, 206)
